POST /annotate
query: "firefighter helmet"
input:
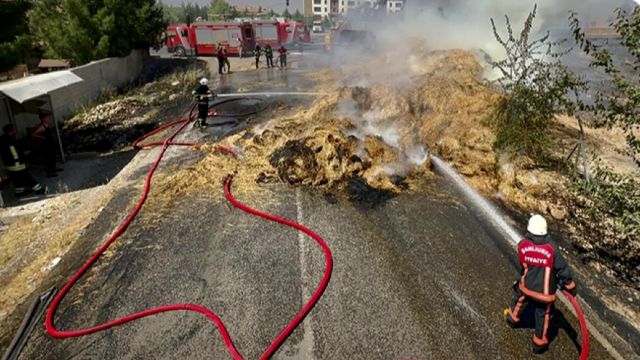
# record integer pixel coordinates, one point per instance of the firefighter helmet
(537, 225)
(204, 81)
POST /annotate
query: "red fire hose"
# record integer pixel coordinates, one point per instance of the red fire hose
(584, 353)
(49, 319)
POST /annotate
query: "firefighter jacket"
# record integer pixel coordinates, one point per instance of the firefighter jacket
(268, 51)
(256, 51)
(202, 94)
(543, 269)
(10, 154)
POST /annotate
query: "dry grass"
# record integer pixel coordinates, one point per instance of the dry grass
(15, 238)
(42, 237)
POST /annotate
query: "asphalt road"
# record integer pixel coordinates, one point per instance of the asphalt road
(415, 277)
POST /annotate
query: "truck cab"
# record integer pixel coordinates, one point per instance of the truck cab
(177, 39)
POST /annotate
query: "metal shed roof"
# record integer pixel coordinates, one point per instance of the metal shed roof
(32, 87)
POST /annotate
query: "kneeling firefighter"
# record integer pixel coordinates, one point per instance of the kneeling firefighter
(202, 94)
(543, 269)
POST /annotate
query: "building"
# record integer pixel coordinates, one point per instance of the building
(321, 8)
(308, 8)
(49, 65)
(395, 6)
(324, 8)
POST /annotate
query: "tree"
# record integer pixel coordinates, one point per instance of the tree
(222, 10)
(173, 14)
(286, 14)
(537, 87)
(618, 106)
(297, 16)
(15, 40)
(82, 31)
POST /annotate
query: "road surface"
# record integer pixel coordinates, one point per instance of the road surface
(417, 276)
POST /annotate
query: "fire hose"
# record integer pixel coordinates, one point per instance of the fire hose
(165, 144)
(584, 352)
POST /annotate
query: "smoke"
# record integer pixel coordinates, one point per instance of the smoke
(437, 25)
(374, 123)
(465, 24)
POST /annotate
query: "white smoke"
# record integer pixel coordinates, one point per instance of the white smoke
(371, 123)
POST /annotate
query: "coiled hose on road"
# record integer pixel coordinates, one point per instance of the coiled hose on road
(165, 144)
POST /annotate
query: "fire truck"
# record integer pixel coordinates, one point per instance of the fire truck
(238, 38)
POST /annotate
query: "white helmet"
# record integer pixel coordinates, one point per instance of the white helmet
(204, 81)
(537, 225)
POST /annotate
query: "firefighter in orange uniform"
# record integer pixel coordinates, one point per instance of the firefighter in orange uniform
(543, 270)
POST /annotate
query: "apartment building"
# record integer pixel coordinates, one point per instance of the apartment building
(395, 6)
(323, 8)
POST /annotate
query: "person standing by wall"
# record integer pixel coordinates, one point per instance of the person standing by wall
(12, 159)
(45, 145)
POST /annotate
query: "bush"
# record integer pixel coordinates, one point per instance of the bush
(537, 86)
(620, 106)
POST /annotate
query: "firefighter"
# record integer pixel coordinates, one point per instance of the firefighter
(268, 54)
(16, 168)
(256, 53)
(225, 59)
(543, 269)
(220, 58)
(283, 57)
(202, 94)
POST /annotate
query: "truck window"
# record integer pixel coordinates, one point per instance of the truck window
(171, 33)
(183, 32)
(247, 33)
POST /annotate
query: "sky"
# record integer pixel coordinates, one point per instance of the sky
(276, 5)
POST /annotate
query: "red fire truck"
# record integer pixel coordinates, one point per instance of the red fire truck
(237, 38)
(205, 38)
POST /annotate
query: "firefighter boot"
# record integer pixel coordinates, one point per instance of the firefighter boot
(540, 349)
(507, 318)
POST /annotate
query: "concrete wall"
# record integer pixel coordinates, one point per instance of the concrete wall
(99, 76)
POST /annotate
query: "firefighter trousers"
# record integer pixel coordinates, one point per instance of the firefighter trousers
(203, 111)
(24, 182)
(542, 313)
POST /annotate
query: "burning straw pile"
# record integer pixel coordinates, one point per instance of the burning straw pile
(370, 136)
(345, 140)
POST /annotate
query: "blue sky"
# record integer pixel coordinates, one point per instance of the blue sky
(277, 5)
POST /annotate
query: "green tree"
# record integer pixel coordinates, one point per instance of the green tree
(619, 106)
(220, 9)
(297, 16)
(15, 40)
(286, 14)
(173, 14)
(536, 87)
(82, 31)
